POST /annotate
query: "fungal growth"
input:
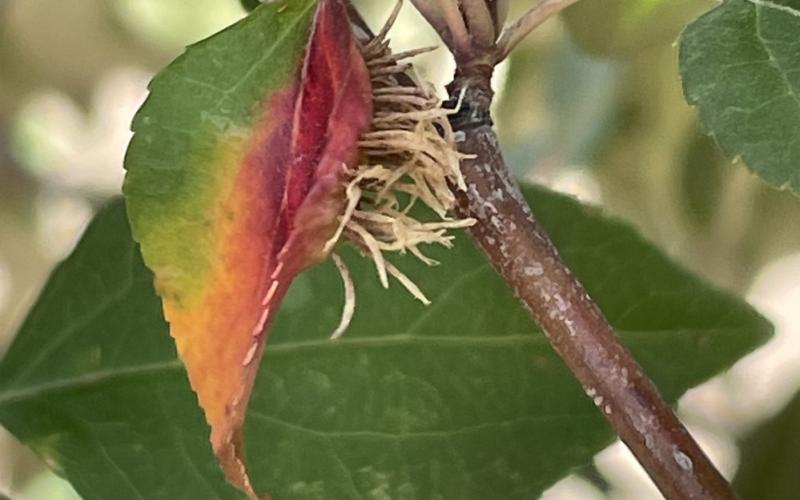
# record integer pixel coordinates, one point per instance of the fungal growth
(408, 154)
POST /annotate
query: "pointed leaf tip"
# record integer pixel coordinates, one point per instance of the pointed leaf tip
(230, 204)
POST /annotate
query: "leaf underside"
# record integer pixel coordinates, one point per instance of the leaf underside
(740, 65)
(462, 400)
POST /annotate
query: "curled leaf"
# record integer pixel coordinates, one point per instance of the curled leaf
(236, 177)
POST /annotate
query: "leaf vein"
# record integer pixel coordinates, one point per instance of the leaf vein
(772, 5)
(432, 434)
(773, 61)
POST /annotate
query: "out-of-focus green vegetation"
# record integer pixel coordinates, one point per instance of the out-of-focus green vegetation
(591, 105)
(769, 457)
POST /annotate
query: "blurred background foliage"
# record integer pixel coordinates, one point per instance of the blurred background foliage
(590, 105)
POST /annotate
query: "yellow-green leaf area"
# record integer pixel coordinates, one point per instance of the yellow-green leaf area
(193, 132)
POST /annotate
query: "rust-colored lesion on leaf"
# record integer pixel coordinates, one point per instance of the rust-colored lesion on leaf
(281, 211)
(343, 151)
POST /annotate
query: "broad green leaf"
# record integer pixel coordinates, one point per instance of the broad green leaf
(624, 28)
(769, 458)
(464, 399)
(90, 381)
(740, 65)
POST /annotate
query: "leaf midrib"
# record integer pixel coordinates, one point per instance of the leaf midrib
(434, 434)
(13, 396)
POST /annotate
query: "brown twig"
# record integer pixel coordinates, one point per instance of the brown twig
(480, 23)
(520, 250)
(461, 45)
(435, 18)
(520, 28)
(499, 10)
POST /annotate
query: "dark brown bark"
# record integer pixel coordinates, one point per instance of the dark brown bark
(520, 250)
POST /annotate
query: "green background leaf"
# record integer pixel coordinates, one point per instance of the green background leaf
(770, 456)
(625, 28)
(463, 399)
(740, 65)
